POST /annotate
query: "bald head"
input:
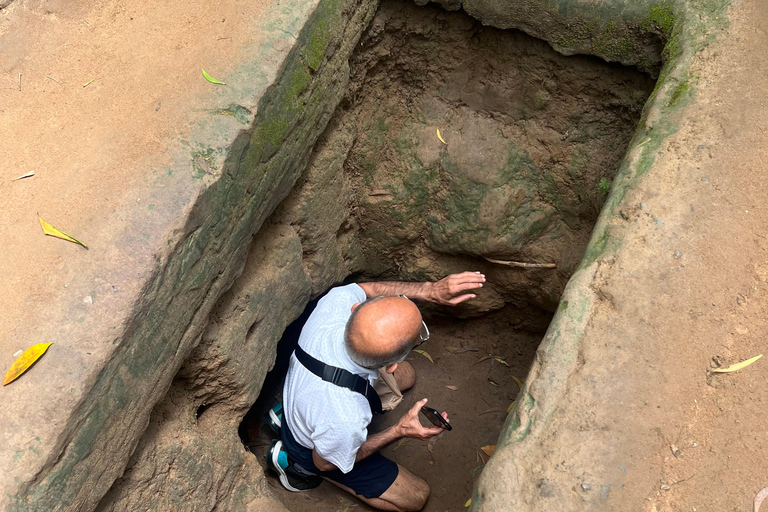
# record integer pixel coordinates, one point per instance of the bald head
(382, 331)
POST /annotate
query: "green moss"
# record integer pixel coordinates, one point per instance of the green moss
(660, 20)
(681, 91)
(328, 21)
(615, 43)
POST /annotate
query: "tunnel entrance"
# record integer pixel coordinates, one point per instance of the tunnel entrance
(456, 147)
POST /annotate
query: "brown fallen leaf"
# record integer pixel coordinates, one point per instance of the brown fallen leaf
(425, 354)
(455, 350)
(483, 458)
(453, 388)
(518, 382)
(500, 360)
(399, 444)
(25, 361)
(489, 449)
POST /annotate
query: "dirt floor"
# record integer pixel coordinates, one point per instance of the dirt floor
(477, 408)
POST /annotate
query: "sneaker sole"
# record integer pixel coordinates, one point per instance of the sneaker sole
(280, 471)
(274, 422)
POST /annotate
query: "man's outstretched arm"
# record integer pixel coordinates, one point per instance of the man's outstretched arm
(448, 291)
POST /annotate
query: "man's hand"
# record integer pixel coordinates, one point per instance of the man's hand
(410, 426)
(447, 290)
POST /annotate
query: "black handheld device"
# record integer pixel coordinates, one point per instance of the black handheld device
(435, 418)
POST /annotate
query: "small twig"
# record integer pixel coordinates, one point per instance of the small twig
(521, 264)
(19, 81)
(683, 480)
(49, 76)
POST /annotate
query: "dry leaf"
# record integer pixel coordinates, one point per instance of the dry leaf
(483, 458)
(502, 361)
(489, 449)
(485, 358)
(52, 231)
(518, 382)
(210, 78)
(28, 175)
(468, 503)
(452, 388)
(511, 406)
(425, 354)
(738, 366)
(494, 409)
(440, 137)
(493, 382)
(455, 350)
(25, 360)
(469, 349)
(399, 444)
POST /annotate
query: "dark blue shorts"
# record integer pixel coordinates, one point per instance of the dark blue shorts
(369, 477)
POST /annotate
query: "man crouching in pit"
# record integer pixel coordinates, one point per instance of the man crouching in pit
(350, 364)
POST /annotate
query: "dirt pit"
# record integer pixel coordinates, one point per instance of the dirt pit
(485, 388)
(529, 143)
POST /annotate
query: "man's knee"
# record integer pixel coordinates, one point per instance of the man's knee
(405, 375)
(421, 494)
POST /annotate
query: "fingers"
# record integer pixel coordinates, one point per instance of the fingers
(468, 277)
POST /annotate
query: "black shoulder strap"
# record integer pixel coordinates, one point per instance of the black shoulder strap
(341, 378)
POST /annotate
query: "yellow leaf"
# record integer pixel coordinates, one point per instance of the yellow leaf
(518, 382)
(440, 137)
(425, 354)
(468, 503)
(89, 82)
(493, 382)
(738, 366)
(52, 231)
(25, 360)
(502, 361)
(210, 78)
(511, 406)
(452, 388)
(489, 449)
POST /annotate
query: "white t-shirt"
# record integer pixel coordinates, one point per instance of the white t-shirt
(322, 416)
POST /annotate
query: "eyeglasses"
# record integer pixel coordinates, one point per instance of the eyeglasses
(424, 333)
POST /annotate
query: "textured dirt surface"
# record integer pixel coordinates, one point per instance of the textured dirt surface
(93, 147)
(477, 407)
(531, 135)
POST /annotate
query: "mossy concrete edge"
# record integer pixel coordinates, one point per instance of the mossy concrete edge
(225, 181)
(694, 27)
